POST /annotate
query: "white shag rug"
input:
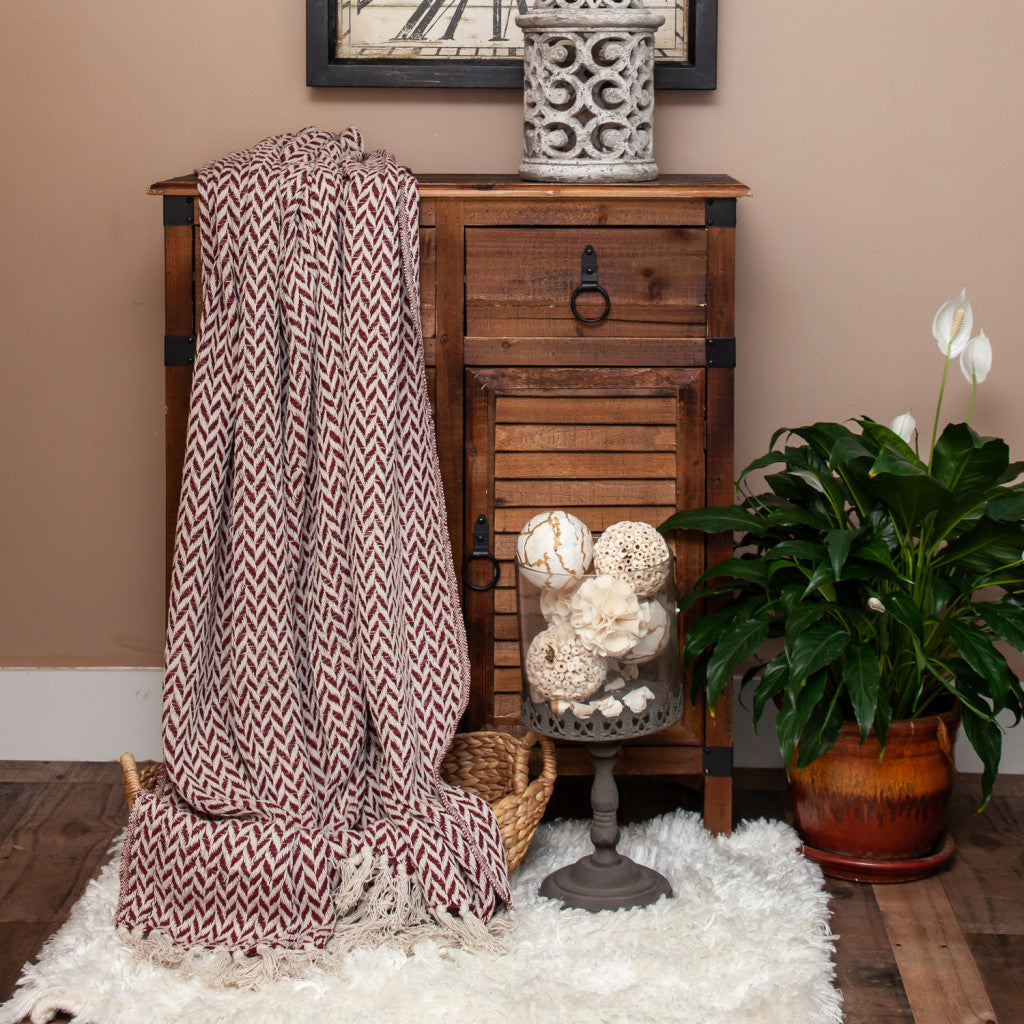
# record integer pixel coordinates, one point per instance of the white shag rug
(744, 939)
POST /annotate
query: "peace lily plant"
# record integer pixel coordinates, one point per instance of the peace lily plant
(890, 577)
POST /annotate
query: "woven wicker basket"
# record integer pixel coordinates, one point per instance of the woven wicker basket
(494, 765)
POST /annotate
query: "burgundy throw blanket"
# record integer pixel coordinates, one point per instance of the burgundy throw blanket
(316, 663)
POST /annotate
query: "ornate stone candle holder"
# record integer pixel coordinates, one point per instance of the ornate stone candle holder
(588, 91)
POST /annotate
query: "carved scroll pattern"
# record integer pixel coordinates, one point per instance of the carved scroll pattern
(589, 97)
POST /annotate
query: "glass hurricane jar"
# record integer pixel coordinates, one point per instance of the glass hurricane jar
(600, 664)
(599, 652)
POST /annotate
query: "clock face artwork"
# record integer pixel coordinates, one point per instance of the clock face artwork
(466, 29)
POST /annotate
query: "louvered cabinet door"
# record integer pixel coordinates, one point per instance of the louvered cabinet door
(604, 443)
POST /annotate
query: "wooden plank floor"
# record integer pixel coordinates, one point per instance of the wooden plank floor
(946, 950)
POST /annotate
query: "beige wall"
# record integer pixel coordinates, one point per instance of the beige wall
(882, 141)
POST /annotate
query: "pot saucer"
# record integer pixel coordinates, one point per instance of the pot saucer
(856, 869)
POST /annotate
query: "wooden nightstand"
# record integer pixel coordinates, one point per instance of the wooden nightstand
(621, 408)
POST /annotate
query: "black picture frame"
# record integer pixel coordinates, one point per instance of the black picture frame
(324, 68)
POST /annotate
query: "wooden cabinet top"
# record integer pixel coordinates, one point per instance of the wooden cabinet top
(482, 186)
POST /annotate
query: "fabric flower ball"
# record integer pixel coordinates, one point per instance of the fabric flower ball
(605, 613)
(556, 606)
(634, 552)
(559, 667)
(557, 548)
(654, 633)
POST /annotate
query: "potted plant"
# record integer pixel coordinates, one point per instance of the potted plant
(891, 581)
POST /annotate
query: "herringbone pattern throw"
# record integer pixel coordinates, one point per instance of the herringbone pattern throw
(316, 663)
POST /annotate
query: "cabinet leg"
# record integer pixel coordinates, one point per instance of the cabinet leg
(718, 804)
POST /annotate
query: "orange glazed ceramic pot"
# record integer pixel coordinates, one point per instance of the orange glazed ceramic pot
(849, 803)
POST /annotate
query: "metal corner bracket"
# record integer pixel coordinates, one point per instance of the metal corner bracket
(720, 352)
(179, 349)
(717, 762)
(179, 211)
(720, 213)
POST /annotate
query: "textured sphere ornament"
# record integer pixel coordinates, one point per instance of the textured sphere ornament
(588, 91)
(559, 667)
(634, 552)
(557, 548)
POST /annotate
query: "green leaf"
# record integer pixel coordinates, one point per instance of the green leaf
(906, 489)
(1008, 506)
(978, 652)
(796, 708)
(821, 577)
(901, 607)
(970, 467)
(1012, 472)
(731, 650)
(804, 615)
(987, 546)
(875, 550)
(852, 459)
(789, 516)
(815, 648)
(713, 519)
(986, 737)
(823, 436)
(794, 489)
(802, 550)
(1005, 618)
(861, 678)
(851, 450)
(774, 679)
(708, 628)
(820, 732)
(885, 439)
(749, 570)
(838, 544)
(943, 593)
(967, 464)
(770, 458)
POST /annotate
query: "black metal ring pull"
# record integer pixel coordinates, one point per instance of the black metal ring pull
(588, 283)
(481, 552)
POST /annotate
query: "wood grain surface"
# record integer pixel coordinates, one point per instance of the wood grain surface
(945, 949)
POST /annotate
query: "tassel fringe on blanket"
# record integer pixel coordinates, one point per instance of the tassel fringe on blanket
(316, 663)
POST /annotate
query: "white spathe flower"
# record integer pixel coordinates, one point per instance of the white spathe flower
(904, 425)
(952, 325)
(875, 604)
(976, 358)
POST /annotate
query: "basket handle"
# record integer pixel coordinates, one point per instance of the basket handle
(521, 764)
(132, 779)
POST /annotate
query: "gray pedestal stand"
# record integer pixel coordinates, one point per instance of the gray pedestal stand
(605, 879)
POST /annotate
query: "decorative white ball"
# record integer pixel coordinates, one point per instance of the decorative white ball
(654, 633)
(634, 552)
(605, 613)
(556, 606)
(559, 667)
(557, 548)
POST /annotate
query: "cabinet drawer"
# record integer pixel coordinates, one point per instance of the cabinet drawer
(519, 282)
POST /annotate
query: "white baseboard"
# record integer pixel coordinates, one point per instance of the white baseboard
(79, 714)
